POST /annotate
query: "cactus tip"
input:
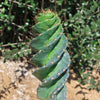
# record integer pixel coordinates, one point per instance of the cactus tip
(38, 22)
(58, 56)
(66, 79)
(62, 84)
(58, 89)
(64, 50)
(45, 81)
(55, 39)
(33, 55)
(58, 74)
(44, 66)
(36, 68)
(52, 78)
(40, 34)
(48, 29)
(64, 69)
(52, 62)
(61, 33)
(54, 93)
(52, 97)
(47, 19)
(39, 51)
(47, 45)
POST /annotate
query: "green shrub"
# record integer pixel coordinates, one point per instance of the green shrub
(83, 29)
(15, 22)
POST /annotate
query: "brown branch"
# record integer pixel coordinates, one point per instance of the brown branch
(85, 17)
(12, 23)
(19, 3)
(55, 5)
(98, 11)
(26, 8)
(16, 25)
(11, 7)
(21, 52)
(5, 45)
(65, 2)
(42, 5)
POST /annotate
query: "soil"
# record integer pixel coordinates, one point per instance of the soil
(18, 83)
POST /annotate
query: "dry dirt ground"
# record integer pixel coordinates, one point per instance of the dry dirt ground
(18, 83)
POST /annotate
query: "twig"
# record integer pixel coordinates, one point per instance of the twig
(19, 3)
(55, 5)
(21, 52)
(42, 5)
(11, 7)
(85, 17)
(16, 25)
(65, 12)
(12, 23)
(5, 45)
(65, 1)
(25, 14)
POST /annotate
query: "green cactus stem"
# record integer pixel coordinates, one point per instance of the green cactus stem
(51, 57)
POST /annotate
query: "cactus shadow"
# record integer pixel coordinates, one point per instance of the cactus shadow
(81, 90)
(72, 76)
(23, 70)
(5, 90)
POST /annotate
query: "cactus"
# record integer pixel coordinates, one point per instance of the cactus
(51, 57)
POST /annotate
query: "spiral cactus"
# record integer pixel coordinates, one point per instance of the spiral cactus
(51, 57)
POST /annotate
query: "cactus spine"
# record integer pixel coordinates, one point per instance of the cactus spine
(51, 57)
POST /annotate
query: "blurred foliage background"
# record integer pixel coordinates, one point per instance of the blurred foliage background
(81, 22)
